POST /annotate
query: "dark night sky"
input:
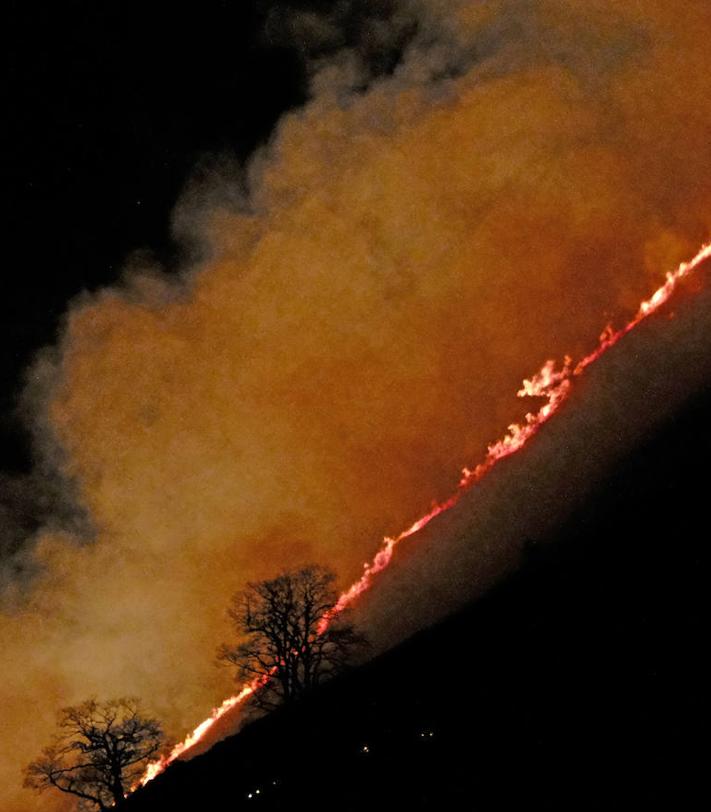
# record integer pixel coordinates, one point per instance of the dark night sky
(108, 108)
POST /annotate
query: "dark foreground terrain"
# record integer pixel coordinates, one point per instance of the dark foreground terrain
(576, 685)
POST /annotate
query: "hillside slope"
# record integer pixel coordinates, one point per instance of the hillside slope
(575, 685)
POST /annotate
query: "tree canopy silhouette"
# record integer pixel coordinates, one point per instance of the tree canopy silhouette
(99, 751)
(279, 641)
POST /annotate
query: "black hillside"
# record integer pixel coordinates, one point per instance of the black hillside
(576, 685)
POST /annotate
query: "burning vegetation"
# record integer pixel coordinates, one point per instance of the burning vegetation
(364, 295)
(550, 384)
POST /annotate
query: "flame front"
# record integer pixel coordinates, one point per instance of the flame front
(551, 384)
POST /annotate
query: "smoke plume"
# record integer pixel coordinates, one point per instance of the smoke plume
(472, 188)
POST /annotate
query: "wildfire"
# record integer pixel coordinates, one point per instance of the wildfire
(551, 384)
(158, 766)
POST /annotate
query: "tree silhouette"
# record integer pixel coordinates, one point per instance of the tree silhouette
(280, 641)
(98, 753)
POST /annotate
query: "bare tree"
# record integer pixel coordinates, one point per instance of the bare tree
(281, 639)
(98, 752)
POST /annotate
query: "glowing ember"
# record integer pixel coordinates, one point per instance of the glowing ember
(549, 383)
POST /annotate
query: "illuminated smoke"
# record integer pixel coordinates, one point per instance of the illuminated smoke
(358, 328)
(551, 385)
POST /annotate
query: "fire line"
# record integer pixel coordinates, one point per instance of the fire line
(554, 385)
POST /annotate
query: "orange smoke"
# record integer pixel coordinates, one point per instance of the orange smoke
(551, 385)
(406, 256)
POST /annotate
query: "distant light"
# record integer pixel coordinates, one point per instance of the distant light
(365, 749)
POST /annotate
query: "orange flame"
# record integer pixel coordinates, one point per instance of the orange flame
(156, 767)
(549, 383)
